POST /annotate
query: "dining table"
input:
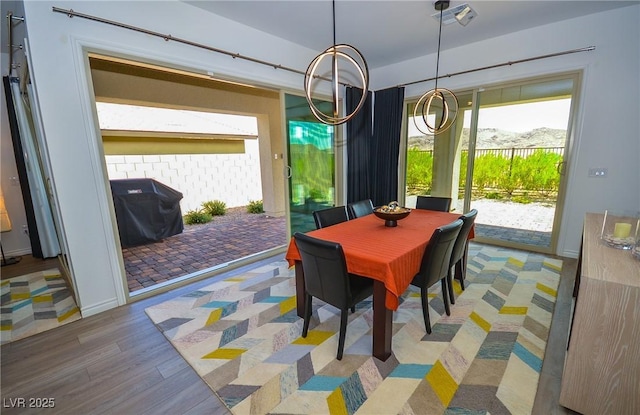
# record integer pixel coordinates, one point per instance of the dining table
(391, 256)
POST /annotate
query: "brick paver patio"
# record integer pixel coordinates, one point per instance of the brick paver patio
(230, 237)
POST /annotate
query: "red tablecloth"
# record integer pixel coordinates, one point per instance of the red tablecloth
(388, 254)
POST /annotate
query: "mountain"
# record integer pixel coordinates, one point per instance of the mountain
(496, 138)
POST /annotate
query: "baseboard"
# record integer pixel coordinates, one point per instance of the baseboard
(570, 254)
(17, 252)
(99, 307)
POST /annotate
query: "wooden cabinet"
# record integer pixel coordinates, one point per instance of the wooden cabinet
(602, 367)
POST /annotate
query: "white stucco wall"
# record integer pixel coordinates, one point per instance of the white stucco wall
(231, 178)
(606, 135)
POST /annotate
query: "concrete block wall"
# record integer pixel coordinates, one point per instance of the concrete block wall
(232, 178)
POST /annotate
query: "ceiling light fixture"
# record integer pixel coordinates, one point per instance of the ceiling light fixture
(462, 13)
(439, 101)
(465, 15)
(336, 52)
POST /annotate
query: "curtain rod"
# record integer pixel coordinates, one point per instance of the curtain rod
(71, 13)
(509, 63)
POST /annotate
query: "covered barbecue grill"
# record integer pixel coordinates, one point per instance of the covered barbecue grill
(146, 210)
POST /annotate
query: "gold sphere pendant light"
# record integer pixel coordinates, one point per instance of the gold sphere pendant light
(337, 52)
(439, 101)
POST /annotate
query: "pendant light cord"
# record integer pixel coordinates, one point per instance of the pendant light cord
(334, 67)
(438, 55)
(334, 22)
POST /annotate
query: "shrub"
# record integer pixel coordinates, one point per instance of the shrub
(419, 171)
(193, 217)
(521, 199)
(489, 170)
(215, 207)
(464, 159)
(495, 175)
(255, 206)
(542, 171)
(316, 194)
(537, 172)
(493, 195)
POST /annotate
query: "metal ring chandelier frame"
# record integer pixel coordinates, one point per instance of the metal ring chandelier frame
(448, 102)
(336, 51)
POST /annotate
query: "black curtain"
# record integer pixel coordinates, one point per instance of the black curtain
(359, 132)
(385, 147)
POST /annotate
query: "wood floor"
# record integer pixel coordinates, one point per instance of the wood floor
(27, 265)
(118, 362)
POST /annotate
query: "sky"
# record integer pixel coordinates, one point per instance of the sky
(525, 117)
(519, 118)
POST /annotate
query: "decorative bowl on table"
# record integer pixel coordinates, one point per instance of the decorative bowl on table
(391, 213)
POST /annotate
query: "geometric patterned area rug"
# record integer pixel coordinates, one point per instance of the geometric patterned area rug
(34, 303)
(242, 336)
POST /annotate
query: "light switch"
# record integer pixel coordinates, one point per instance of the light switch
(598, 172)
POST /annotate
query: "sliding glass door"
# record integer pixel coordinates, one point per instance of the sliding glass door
(504, 156)
(311, 163)
(516, 162)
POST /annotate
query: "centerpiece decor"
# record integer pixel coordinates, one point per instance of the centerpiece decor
(391, 213)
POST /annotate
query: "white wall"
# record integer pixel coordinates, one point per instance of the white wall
(607, 133)
(60, 76)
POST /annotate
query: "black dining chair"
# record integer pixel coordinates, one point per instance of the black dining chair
(435, 266)
(458, 265)
(330, 216)
(360, 208)
(326, 278)
(442, 204)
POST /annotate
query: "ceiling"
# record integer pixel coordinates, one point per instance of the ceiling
(391, 31)
(385, 31)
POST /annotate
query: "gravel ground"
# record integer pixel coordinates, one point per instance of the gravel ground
(531, 216)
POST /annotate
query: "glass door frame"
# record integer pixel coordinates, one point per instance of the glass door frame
(576, 77)
(339, 149)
